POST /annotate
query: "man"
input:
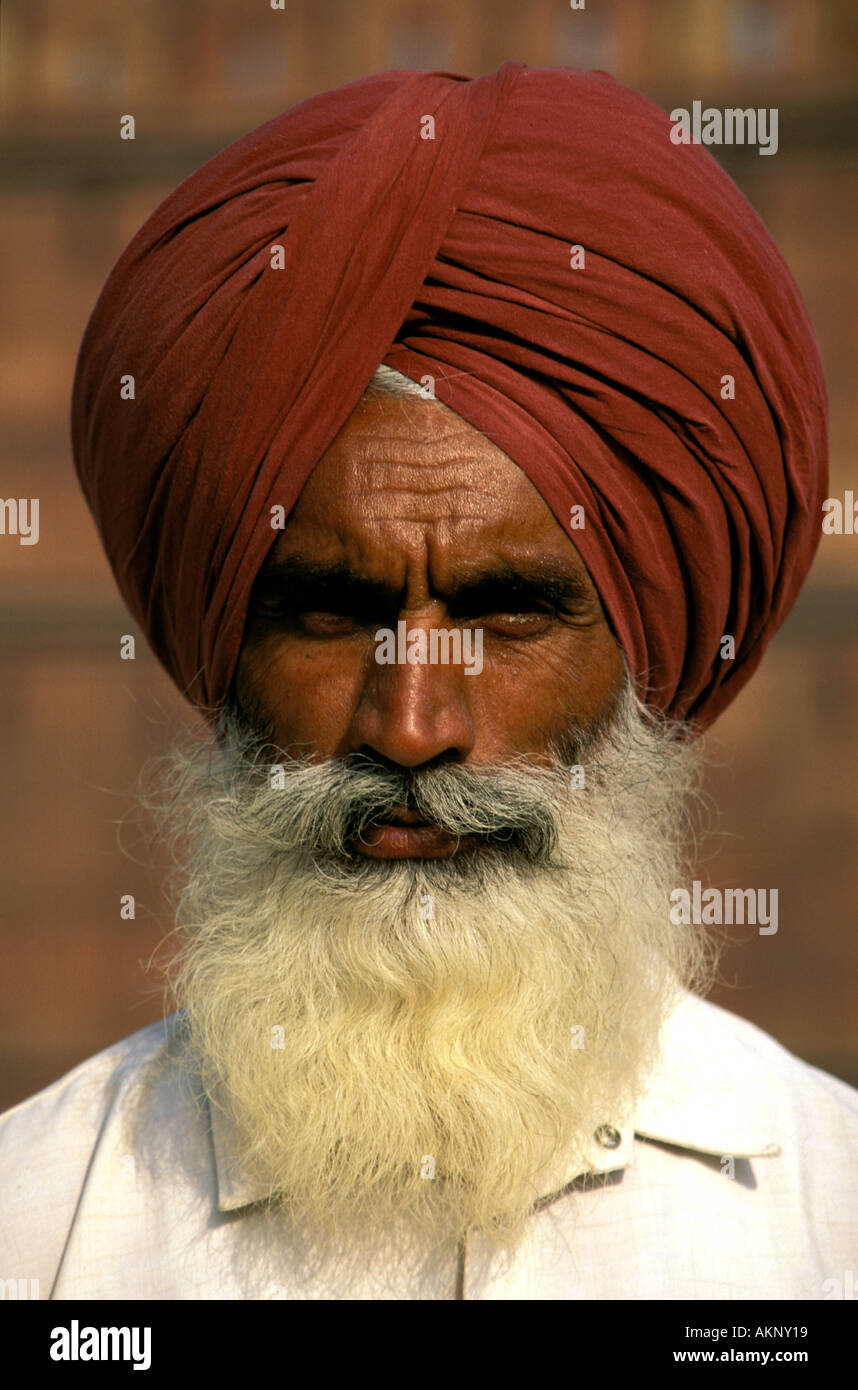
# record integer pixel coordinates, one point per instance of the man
(455, 622)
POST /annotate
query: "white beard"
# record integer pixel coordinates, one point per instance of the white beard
(408, 1040)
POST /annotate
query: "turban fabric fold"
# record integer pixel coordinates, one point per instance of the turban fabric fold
(444, 248)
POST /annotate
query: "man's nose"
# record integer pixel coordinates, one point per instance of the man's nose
(415, 713)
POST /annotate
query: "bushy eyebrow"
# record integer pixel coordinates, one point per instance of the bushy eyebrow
(297, 581)
(518, 586)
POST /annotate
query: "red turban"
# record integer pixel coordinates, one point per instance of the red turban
(443, 247)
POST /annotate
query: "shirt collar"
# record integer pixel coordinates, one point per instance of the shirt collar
(694, 1100)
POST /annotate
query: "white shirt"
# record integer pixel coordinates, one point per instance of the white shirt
(92, 1213)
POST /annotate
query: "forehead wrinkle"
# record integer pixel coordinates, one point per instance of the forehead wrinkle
(430, 476)
(431, 507)
(414, 492)
(466, 516)
(452, 450)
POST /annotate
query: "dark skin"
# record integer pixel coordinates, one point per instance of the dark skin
(413, 514)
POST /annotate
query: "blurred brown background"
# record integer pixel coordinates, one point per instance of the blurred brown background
(76, 722)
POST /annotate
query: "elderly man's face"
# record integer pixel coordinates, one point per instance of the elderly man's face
(414, 515)
(424, 974)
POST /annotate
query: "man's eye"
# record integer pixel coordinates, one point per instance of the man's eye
(326, 620)
(284, 610)
(522, 623)
(333, 621)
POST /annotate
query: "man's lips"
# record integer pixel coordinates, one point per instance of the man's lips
(403, 835)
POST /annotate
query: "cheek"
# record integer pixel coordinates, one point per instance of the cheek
(304, 692)
(600, 674)
(578, 674)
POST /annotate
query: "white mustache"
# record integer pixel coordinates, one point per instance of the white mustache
(323, 807)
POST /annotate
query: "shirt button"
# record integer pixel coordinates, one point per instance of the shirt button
(608, 1137)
